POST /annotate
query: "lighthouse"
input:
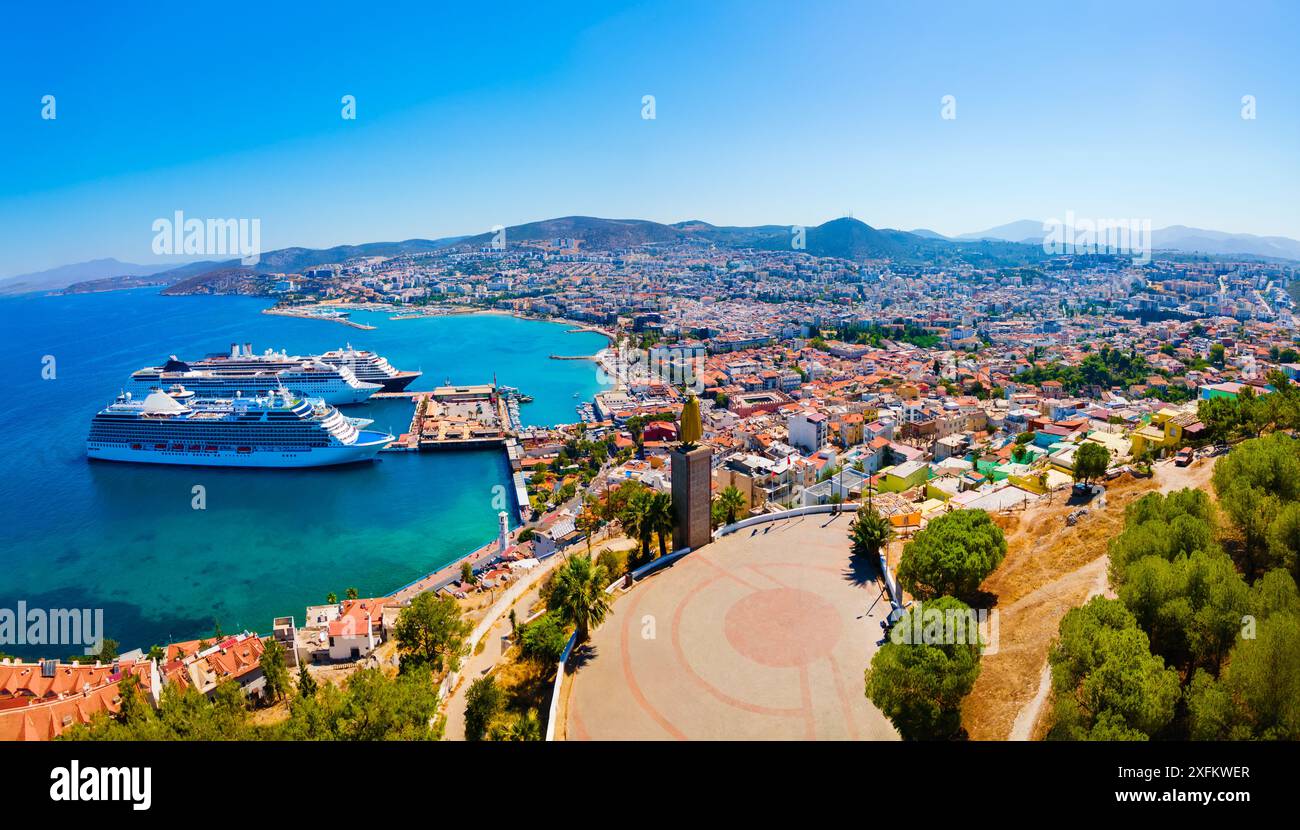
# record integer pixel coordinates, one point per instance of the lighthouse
(503, 532)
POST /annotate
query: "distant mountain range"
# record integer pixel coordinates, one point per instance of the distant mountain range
(1173, 238)
(845, 238)
(66, 275)
(1016, 243)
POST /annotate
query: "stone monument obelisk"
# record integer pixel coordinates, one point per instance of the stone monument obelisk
(691, 476)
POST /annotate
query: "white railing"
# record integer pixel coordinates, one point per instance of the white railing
(648, 568)
(845, 507)
(891, 584)
(555, 687)
(561, 670)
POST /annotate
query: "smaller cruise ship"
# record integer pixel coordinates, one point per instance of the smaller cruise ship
(243, 373)
(370, 368)
(279, 429)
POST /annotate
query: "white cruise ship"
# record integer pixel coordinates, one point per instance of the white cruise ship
(279, 429)
(248, 374)
(370, 368)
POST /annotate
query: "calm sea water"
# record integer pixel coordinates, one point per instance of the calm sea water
(125, 537)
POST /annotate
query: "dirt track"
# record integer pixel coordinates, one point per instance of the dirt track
(1049, 569)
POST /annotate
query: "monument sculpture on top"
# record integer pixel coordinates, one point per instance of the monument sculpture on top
(691, 476)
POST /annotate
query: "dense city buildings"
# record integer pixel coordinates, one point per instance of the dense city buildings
(937, 376)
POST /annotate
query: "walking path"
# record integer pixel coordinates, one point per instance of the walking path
(494, 626)
(480, 662)
(1027, 718)
(447, 574)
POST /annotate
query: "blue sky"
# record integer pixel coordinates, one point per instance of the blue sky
(765, 113)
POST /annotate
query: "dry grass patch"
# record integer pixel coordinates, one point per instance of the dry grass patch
(1049, 568)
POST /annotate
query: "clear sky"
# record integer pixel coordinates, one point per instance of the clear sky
(789, 113)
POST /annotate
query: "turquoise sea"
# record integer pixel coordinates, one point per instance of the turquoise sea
(125, 537)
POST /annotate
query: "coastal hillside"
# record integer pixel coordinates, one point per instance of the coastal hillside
(595, 233)
(844, 238)
(65, 275)
(286, 261)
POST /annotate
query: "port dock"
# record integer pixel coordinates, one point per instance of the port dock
(477, 416)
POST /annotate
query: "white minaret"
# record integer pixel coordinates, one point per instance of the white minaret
(503, 533)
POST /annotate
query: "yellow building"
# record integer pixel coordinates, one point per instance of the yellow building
(905, 476)
(851, 427)
(1168, 428)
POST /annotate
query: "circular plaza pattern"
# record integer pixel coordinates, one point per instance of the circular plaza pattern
(762, 634)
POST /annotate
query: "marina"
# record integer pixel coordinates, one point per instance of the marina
(335, 317)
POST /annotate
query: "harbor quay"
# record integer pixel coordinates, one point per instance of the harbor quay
(475, 416)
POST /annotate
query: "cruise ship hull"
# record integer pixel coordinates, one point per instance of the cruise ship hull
(367, 445)
(334, 394)
(397, 383)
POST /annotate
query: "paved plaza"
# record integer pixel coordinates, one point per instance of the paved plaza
(763, 634)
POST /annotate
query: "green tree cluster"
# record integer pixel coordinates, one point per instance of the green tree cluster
(431, 633)
(1107, 684)
(869, 532)
(578, 595)
(488, 716)
(1258, 485)
(544, 639)
(1184, 611)
(952, 555)
(1106, 369)
(370, 706)
(1090, 461)
(1251, 415)
(919, 686)
(730, 504)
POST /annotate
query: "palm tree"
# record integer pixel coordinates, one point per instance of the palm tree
(578, 595)
(869, 532)
(732, 502)
(659, 515)
(637, 523)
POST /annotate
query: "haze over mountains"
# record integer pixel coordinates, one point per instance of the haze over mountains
(1015, 243)
(65, 275)
(1173, 238)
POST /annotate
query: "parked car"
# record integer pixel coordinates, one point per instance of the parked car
(1183, 457)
